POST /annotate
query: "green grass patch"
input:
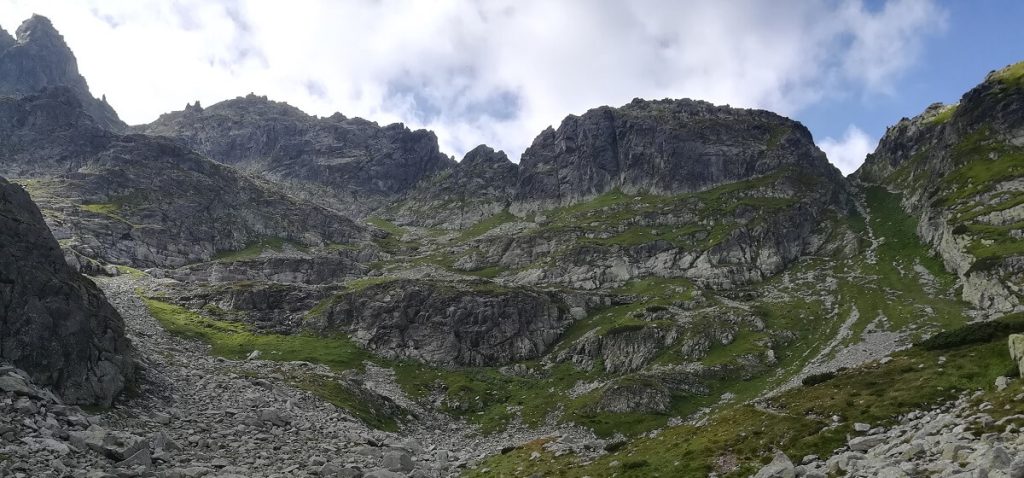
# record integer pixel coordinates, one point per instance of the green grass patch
(343, 397)
(1012, 75)
(111, 210)
(944, 116)
(485, 225)
(386, 226)
(983, 161)
(975, 333)
(235, 341)
(799, 421)
(252, 250)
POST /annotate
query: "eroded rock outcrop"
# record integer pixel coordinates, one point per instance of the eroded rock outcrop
(448, 324)
(54, 323)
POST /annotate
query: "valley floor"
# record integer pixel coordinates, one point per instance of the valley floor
(208, 416)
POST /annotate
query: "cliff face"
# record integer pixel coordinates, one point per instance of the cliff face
(141, 200)
(449, 325)
(39, 58)
(351, 164)
(662, 147)
(960, 168)
(55, 324)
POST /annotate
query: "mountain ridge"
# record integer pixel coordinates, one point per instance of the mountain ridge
(665, 288)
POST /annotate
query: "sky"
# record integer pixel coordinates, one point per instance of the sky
(498, 72)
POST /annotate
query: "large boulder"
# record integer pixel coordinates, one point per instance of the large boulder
(54, 323)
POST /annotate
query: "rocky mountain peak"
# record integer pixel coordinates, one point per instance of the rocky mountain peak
(484, 155)
(40, 58)
(39, 29)
(349, 164)
(662, 147)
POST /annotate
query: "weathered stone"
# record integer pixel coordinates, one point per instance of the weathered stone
(15, 384)
(171, 206)
(780, 467)
(866, 443)
(139, 458)
(397, 460)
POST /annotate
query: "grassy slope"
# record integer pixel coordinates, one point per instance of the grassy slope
(798, 422)
(889, 286)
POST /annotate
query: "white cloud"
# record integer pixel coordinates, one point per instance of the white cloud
(496, 71)
(849, 152)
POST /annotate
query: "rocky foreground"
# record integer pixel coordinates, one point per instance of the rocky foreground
(945, 441)
(200, 416)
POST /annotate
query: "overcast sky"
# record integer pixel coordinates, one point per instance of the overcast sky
(498, 72)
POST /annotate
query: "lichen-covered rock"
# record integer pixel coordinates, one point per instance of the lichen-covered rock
(448, 324)
(39, 58)
(54, 323)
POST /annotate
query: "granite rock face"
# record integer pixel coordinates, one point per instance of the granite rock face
(351, 164)
(448, 325)
(38, 58)
(478, 187)
(663, 147)
(54, 323)
(960, 169)
(141, 200)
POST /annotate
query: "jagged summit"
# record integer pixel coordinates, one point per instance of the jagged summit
(38, 58)
(39, 29)
(485, 155)
(662, 147)
(350, 164)
(479, 186)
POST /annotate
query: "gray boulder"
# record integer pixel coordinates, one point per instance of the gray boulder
(780, 467)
